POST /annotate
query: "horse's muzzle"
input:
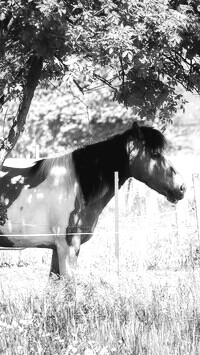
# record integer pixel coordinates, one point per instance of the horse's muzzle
(177, 194)
(182, 191)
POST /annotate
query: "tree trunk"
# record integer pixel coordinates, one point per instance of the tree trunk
(33, 76)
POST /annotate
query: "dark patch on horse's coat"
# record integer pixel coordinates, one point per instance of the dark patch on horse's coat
(5, 241)
(30, 177)
(50, 246)
(95, 164)
(3, 213)
(73, 222)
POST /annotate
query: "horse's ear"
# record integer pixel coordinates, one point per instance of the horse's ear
(137, 130)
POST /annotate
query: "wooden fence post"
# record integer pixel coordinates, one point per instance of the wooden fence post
(116, 180)
(182, 218)
(196, 186)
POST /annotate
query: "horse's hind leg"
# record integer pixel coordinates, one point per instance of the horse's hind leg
(54, 264)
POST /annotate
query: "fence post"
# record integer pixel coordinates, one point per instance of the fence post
(116, 179)
(182, 218)
(196, 186)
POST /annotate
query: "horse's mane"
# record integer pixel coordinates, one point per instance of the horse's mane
(61, 166)
(152, 139)
(62, 162)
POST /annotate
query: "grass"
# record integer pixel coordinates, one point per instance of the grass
(125, 316)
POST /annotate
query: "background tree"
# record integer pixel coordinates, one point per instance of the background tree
(146, 49)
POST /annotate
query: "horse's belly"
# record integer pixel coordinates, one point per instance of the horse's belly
(36, 218)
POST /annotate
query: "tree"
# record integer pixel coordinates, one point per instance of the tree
(146, 48)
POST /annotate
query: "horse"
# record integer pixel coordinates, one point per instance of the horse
(55, 203)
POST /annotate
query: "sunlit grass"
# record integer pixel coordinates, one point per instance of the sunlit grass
(123, 316)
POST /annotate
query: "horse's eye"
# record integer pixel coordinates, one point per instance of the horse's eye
(155, 155)
(172, 171)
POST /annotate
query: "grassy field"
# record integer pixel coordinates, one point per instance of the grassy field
(144, 314)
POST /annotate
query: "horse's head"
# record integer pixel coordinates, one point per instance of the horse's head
(148, 164)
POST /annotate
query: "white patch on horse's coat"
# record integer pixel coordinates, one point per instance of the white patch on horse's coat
(19, 162)
(2, 173)
(17, 178)
(6, 201)
(26, 187)
(60, 197)
(9, 226)
(40, 216)
(29, 199)
(58, 170)
(58, 173)
(76, 217)
(40, 195)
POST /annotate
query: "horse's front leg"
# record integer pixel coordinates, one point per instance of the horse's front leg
(67, 251)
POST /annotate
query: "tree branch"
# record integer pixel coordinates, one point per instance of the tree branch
(33, 76)
(105, 81)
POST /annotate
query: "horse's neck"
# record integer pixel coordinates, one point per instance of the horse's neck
(95, 167)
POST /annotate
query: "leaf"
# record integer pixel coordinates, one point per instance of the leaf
(130, 56)
(2, 16)
(125, 54)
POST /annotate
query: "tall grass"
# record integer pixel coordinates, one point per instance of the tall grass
(123, 316)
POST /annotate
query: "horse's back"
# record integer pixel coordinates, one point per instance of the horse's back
(19, 163)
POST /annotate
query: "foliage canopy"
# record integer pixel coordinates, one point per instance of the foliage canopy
(145, 47)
